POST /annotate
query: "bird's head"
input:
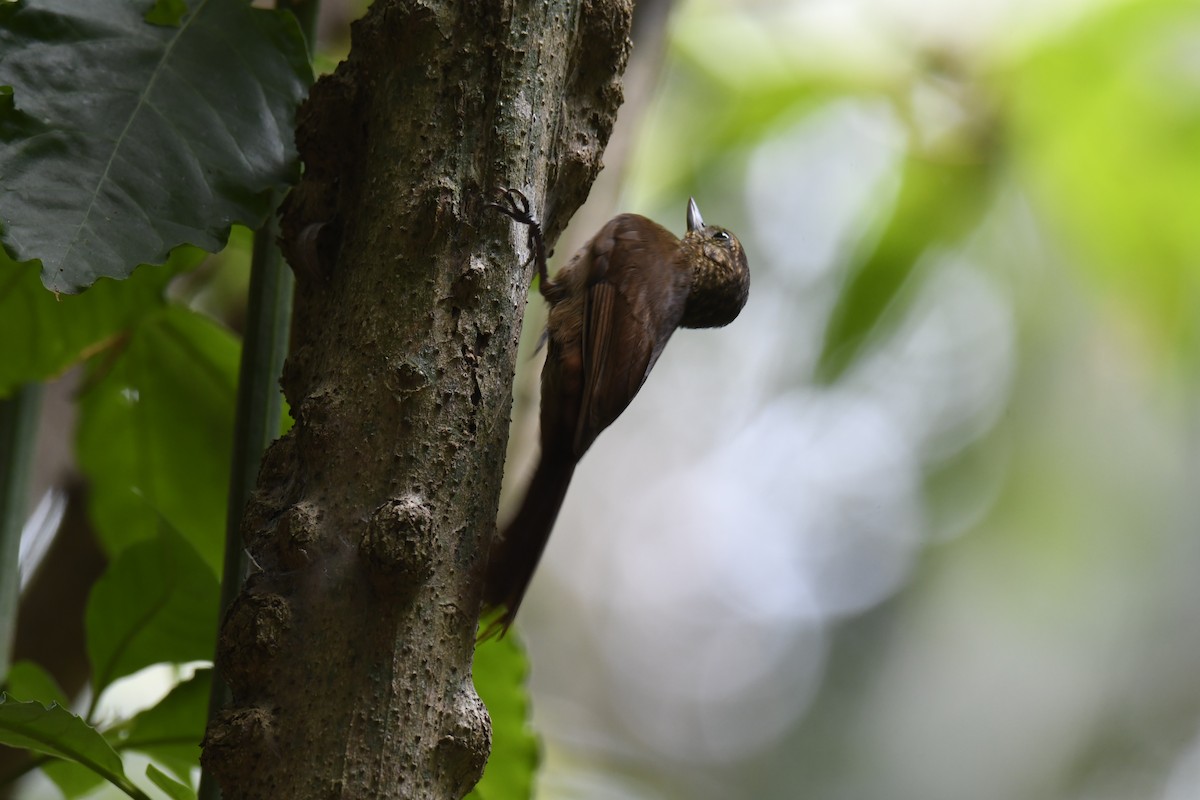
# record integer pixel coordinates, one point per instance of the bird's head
(720, 274)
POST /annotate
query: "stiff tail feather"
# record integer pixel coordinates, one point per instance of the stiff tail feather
(516, 553)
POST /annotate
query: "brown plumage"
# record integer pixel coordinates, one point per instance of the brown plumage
(612, 310)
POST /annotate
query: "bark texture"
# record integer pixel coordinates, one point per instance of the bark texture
(349, 651)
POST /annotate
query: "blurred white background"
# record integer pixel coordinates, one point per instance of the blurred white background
(961, 564)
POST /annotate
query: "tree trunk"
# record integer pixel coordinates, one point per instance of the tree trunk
(349, 651)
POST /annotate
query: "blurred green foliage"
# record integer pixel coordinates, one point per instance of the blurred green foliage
(1104, 127)
(500, 673)
(1097, 122)
(146, 468)
(1043, 644)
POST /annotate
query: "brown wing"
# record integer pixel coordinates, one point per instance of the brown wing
(620, 339)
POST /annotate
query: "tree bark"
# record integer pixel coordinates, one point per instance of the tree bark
(349, 651)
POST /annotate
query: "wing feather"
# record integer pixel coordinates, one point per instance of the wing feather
(616, 356)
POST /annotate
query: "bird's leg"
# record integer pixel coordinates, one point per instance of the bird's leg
(515, 205)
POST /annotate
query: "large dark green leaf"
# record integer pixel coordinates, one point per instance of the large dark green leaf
(155, 432)
(57, 732)
(157, 602)
(122, 139)
(42, 334)
(499, 673)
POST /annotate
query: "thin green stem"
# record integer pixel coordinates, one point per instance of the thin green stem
(18, 424)
(259, 402)
(259, 408)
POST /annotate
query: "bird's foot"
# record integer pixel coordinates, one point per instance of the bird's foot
(512, 203)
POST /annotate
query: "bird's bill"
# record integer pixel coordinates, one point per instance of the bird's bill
(695, 221)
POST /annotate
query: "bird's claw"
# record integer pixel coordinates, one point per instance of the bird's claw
(515, 205)
(512, 203)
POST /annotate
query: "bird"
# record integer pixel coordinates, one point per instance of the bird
(612, 309)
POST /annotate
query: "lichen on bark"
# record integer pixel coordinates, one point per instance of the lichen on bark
(349, 651)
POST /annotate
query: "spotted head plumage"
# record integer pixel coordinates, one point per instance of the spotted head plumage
(720, 274)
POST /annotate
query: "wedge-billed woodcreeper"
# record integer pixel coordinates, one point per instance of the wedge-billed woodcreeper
(612, 309)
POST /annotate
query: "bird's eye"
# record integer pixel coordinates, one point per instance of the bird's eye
(721, 236)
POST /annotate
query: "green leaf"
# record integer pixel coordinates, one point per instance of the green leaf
(42, 334)
(167, 12)
(1108, 128)
(174, 789)
(171, 731)
(155, 433)
(57, 732)
(15, 123)
(157, 602)
(499, 672)
(72, 779)
(939, 200)
(29, 681)
(723, 107)
(121, 139)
